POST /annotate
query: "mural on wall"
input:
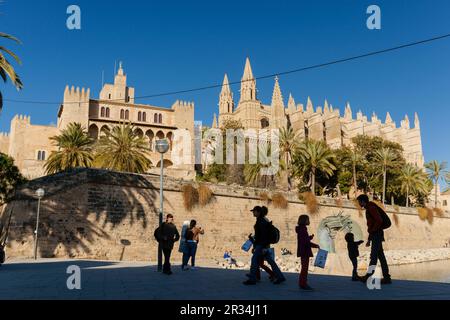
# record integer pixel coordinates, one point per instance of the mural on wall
(330, 226)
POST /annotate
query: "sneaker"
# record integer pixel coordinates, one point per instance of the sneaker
(364, 278)
(306, 288)
(278, 281)
(185, 268)
(193, 268)
(386, 281)
(249, 282)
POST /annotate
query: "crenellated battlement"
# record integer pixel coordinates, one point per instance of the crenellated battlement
(73, 94)
(183, 104)
(20, 118)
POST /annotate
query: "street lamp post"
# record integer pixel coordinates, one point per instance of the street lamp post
(39, 193)
(162, 146)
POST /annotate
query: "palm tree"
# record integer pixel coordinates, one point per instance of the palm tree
(122, 149)
(436, 171)
(386, 158)
(353, 160)
(74, 150)
(312, 157)
(287, 145)
(6, 69)
(413, 180)
(255, 171)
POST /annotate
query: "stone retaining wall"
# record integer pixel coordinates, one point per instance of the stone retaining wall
(98, 214)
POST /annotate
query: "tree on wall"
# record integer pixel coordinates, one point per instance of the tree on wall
(10, 178)
(74, 150)
(123, 149)
(6, 68)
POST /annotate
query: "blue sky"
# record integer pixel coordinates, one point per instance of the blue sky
(176, 45)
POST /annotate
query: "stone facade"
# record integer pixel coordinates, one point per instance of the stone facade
(320, 123)
(26, 142)
(99, 214)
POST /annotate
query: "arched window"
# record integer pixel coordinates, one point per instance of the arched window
(144, 117)
(170, 138)
(107, 112)
(127, 115)
(102, 112)
(93, 131)
(41, 155)
(264, 123)
(160, 118)
(155, 118)
(150, 136)
(122, 114)
(139, 116)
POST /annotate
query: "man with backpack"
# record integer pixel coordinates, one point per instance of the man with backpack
(265, 235)
(377, 222)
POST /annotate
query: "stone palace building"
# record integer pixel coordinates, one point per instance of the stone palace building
(320, 123)
(30, 145)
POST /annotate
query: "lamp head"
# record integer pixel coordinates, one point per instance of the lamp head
(40, 193)
(162, 145)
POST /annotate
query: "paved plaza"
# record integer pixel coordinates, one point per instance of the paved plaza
(46, 279)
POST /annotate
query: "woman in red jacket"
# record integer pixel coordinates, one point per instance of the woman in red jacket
(304, 251)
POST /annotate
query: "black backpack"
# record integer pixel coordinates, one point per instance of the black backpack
(2, 254)
(386, 220)
(274, 234)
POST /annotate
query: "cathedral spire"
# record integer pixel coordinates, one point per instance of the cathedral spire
(416, 121)
(277, 97)
(348, 112)
(326, 109)
(248, 83)
(388, 118)
(214, 124)
(226, 103)
(309, 106)
(291, 104)
(248, 73)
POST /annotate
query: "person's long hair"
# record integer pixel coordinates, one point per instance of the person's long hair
(192, 224)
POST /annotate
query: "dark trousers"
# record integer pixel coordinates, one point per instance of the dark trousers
(303, 276)
(377, 253)
(354, 261)
(265, 268)
(167, 252)
(189, 251)
(261, 253)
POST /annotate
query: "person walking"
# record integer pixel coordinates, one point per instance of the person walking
(166, 235)
(304, 251)
(192, 240)
(377, 221)
(262, 264)
(261, 244)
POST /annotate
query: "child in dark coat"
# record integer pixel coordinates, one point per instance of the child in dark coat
(353, 253)
(304, 251)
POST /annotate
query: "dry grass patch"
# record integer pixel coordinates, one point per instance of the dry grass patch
(279, 201)
(264, 196)
(204, 194)
(423, 213)
(430, 215)
(190, 196)
(439, 212)
(312, 205)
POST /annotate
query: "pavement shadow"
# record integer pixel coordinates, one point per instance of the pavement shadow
(102, 280)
